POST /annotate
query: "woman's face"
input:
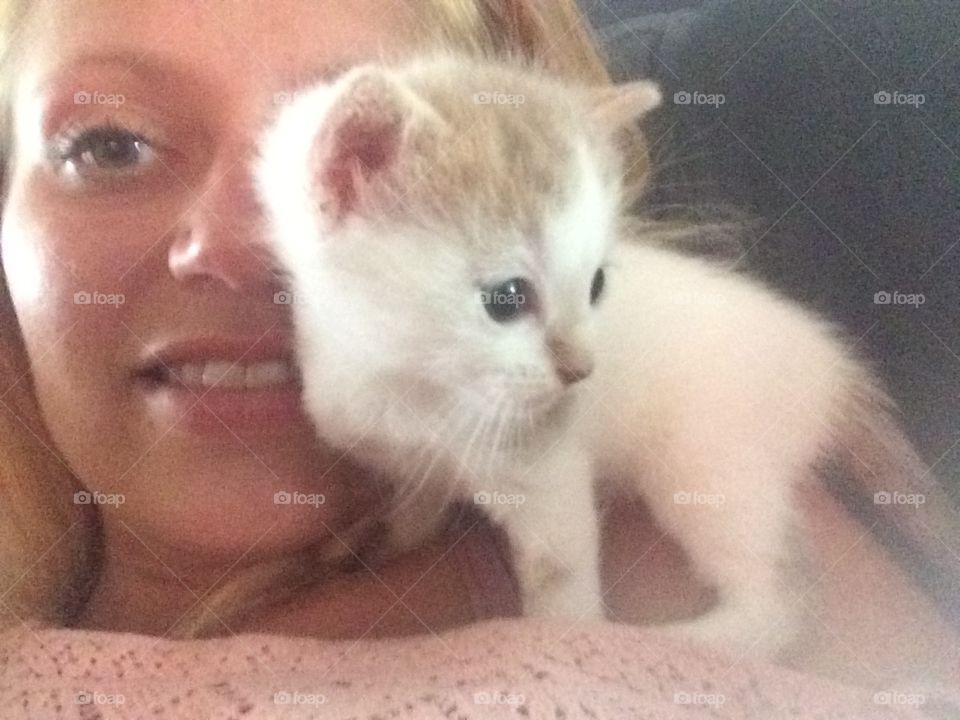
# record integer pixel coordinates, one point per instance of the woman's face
(130, 233)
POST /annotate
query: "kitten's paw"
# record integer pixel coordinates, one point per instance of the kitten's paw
(737, 629)
(570, 606)
(565, 597)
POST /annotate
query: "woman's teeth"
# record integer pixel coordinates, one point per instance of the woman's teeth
(225, 374)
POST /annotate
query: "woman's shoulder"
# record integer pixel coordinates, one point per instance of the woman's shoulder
(547, 668)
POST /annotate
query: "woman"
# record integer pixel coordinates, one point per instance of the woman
(129, 228)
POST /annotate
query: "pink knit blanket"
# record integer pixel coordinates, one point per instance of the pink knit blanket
(502, 668)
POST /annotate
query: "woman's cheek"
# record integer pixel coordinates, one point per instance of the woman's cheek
(61, 265)
(78, 269)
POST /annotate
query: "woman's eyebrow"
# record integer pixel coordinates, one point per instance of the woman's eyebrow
(149, 66)
(145, 67)
(129, 61)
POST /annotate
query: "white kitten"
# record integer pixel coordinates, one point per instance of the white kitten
(448, 226)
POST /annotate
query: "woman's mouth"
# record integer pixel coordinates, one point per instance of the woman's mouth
(224, 374)
(229, 387)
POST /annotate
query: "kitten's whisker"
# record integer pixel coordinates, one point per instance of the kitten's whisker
(669, 169)
(479, 440)
(491, 439)
(441, 443)
(658, 166)
(655, 186)
(667, 150)
(463, 458)
(502, 416)
(434, 450)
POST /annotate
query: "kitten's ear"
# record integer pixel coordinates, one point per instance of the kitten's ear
(362, 137)
(620, 106)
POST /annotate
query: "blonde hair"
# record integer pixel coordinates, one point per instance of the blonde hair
(49, 546)
(47, 542)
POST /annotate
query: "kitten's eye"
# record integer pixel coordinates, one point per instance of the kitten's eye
(508, 300)
(596, 289)
(105, 150)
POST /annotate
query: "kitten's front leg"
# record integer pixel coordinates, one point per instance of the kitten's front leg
(554, 536)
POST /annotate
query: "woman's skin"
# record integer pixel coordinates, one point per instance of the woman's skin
(180, 242)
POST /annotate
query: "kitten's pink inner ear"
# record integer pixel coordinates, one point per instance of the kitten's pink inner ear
(361, 138)
(621, 106)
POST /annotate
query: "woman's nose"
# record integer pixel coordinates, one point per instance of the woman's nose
(220, 235)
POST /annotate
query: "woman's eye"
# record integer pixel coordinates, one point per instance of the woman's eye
(508, 300)
(596, 289)
(105, 150)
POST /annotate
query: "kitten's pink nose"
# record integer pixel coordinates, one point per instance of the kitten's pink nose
(571, 362)
(569, 375)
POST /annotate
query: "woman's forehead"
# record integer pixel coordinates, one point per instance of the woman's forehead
(228, 42)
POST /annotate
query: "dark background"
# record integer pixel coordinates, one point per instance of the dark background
(853, 197)
(848, 197)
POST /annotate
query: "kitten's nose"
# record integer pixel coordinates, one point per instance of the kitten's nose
(571, 362)
(569, 375)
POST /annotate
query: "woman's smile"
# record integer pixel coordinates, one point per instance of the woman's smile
(222, 385)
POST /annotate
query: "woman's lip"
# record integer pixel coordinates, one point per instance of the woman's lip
(274, 410)
(269, 410)
(237, 349)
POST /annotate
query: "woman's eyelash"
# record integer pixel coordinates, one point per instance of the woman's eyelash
(67, 140)
(106, 148)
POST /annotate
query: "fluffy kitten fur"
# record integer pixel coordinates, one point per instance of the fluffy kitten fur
(394, 199)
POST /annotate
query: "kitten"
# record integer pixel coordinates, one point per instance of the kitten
(472, 322)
